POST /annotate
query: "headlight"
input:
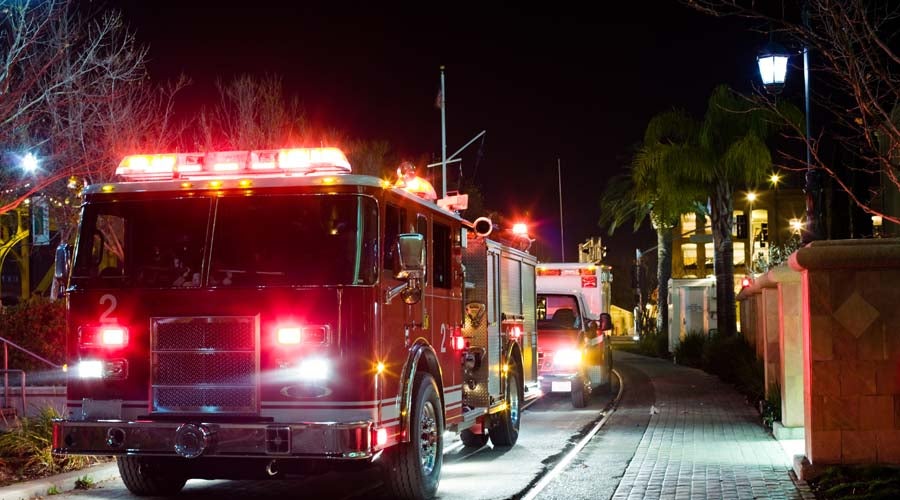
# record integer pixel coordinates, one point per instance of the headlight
(567, 358)
(90, 369)
(313, 369)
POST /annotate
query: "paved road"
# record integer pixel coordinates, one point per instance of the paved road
(549, 427)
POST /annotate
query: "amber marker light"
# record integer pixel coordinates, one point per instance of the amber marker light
(245, 183)
(186, 185)
(107, 188)
(215, 184)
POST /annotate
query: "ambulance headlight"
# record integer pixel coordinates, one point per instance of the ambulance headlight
(567, 358)
(312, 369)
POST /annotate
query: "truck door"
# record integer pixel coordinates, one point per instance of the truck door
(401, 323)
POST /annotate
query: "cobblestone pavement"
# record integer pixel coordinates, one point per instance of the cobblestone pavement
(704, 442)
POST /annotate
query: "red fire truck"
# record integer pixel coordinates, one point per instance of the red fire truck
(267, 313)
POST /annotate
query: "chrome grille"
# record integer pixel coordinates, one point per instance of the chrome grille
(205, 364)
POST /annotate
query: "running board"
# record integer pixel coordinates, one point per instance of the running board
(532, 392)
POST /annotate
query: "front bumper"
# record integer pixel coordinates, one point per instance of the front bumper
(330, 440)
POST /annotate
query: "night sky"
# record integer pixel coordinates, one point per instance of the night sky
(574, 81)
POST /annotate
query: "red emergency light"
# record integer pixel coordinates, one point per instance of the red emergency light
(746, 282)
(296, 161)
(107, 336)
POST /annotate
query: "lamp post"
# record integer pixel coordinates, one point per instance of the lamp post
(772, 62)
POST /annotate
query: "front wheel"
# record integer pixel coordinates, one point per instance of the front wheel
(506, 430)
(150, 476)
(413, 469)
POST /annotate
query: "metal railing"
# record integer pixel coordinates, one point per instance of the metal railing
(6, 370)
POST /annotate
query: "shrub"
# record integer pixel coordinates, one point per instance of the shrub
(30, 442)
(771, 410)
(690, 351)
(38, 325)
(733, 359)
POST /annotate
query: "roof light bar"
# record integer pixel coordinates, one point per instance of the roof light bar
(296, 161)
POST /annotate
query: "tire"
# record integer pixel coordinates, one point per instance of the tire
(471, 440)
(413, 469)
(506, 424)
(580, 393)
(146, 476)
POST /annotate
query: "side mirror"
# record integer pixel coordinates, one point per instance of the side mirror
(606, 323)
(409, 259)
(63, 261)
(409, 265)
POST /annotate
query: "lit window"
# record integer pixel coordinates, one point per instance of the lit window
(739, 256)
(688, 223)
(689, 254)
(710, 254)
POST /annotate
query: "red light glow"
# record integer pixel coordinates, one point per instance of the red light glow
(459, 343)
(745, 282)
(381, 437)
(289, 335)
(113, 336)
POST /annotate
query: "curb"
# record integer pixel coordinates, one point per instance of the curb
(64, 482)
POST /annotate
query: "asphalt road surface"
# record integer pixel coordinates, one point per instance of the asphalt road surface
(551, 428)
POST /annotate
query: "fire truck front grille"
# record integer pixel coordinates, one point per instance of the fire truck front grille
(205, 365)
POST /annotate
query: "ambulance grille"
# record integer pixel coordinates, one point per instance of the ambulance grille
(205, 364)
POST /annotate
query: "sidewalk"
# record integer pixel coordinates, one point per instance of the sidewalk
(62, 482)
(704, 442)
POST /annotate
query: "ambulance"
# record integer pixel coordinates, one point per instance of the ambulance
(573, 321)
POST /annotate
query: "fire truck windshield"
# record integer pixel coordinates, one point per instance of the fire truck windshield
(287, 240)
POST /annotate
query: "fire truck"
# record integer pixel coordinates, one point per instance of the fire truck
(249, 314)
(574, 353)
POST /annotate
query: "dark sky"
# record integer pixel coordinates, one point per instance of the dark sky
(574, 81)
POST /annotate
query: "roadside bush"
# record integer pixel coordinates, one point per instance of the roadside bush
(771, 410)
(733, 359)
(652, 343)
(38, 325)
(690, 351)
(28, 444)
(849, 482)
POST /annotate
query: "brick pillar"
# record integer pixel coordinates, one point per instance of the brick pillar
(851, 352)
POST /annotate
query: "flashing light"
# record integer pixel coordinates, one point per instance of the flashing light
(113, 336)
(109, 336)
(275, 161)
(567, 358)
(458, 342)
(329, 180)
(379, 368)
(30, 163)
(90, 369)
(186, 185)
(796, 225)
(520, 229)
(107, 188)
(751, 196)
(746, 282)
(245, 183)
(215, 184)
(515, 332)
(313, 369)
(290, 335)
(381, 437)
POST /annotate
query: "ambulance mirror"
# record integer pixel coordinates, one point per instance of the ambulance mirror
(63, 259)
(606, 323)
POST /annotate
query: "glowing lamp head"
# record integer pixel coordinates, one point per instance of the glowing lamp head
(751, 196)
(520, 229)
(90, 369)
(772, 62)
(30, 163)
(381, 437)
(746, 282)
(796, 226)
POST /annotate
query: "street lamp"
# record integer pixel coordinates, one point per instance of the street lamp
(29, 163)
(772, 63)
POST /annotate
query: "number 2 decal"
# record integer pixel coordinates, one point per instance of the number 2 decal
(105, 315)
(443, 337)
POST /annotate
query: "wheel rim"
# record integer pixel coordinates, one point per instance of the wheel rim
(428, 438)
(514, 402)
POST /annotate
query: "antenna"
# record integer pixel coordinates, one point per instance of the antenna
(562, 239)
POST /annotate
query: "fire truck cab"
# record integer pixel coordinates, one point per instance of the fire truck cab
(574, 353)
(263, 313)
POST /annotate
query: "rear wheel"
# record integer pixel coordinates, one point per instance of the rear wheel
(414, 468)
(472, 440)
(148, 476)
(506, 430)
(580, 391)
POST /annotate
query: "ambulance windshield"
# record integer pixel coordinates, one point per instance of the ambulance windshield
(558, 312)
(289, 240)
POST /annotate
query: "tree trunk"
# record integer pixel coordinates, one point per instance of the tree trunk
(722, 210)
(663, 273)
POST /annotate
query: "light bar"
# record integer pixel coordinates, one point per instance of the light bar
(296, 161)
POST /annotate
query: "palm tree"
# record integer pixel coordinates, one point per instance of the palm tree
(726, 150)
(651, 190)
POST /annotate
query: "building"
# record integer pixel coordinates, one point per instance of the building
(762, 219)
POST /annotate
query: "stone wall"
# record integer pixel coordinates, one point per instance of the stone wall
(851, 351)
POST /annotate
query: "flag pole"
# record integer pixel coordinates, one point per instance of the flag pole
(562, 239)
(443, 137)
